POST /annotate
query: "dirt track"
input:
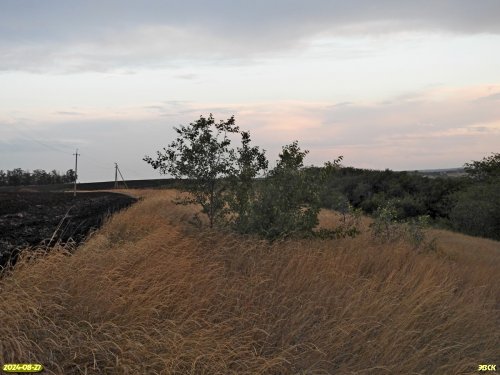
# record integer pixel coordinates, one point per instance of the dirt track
(31, 219)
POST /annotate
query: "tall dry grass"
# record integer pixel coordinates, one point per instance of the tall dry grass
(150, 294)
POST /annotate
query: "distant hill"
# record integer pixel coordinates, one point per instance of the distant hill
(447, 172)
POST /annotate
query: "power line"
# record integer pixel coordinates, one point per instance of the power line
(88, 159)
(96, 163)
(24, 135)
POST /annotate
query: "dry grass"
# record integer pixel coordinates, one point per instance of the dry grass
(148, 294)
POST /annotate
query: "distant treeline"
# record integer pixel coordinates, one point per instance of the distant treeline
(469, 204)
(18, 176)
(411, 193)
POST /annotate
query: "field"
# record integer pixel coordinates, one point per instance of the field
(30, 218)
(150, 294)
(87, 186)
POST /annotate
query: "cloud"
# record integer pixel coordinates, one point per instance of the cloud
(438, 127)
(91, 35)
(188, 76)
(68, 113)
(493, 97)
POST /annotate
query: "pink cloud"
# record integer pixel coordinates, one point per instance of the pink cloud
(438, 128)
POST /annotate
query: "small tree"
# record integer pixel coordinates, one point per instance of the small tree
(202, 154)
(250, 162)
(3, 178)
(70, 176)
(15, 177)
(287, 202)
(40, 177)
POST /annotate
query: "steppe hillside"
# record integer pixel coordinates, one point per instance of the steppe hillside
(150, 293)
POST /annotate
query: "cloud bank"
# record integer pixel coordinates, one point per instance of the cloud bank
(69, 36)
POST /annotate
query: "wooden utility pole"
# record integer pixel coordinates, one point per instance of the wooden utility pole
(76, 171)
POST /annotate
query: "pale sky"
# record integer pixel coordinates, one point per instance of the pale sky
(387, 84)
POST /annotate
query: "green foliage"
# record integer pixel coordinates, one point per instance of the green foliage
(387, 228)
(338, 202)
(18, 176)
(477, 209)
(223, 180)
(202, 154)
(349, 224)
(368, 189)
(250, 162)
(470, 205)
(287, 202)
(415, 232)
(488, 167)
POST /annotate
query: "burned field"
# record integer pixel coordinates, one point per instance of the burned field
(30, 219)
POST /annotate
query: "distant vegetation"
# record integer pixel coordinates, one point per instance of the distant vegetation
(18, 177)
(477, 206)
(469, 204)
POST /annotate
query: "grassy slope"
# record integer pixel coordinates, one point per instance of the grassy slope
(148, 294)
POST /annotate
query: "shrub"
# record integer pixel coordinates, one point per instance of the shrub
(387, 228)
(287, 202)
(477, 210)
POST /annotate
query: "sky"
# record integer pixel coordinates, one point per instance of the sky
(403, 85)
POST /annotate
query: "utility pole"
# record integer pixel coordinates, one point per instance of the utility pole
(117, 170)
(116, 175)
(76, 171)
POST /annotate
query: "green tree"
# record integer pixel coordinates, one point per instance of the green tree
(488, 167)
(477, 211)
(70, 176)
(476, 208)
(288, 200)
(55, 177)
(39, 177)
(250, 162)
(15, 177)
(202, 156)
(3, 178)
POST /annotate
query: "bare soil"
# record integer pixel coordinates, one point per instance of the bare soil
(29, 219)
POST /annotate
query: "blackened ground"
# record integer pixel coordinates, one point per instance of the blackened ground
(44, 218)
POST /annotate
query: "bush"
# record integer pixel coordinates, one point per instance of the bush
(387, 228)
(349, 224)
(415, 232)
(287, 202)
(477, 210)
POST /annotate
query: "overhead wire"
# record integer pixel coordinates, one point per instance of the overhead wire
(29, 137)
(96, 163)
